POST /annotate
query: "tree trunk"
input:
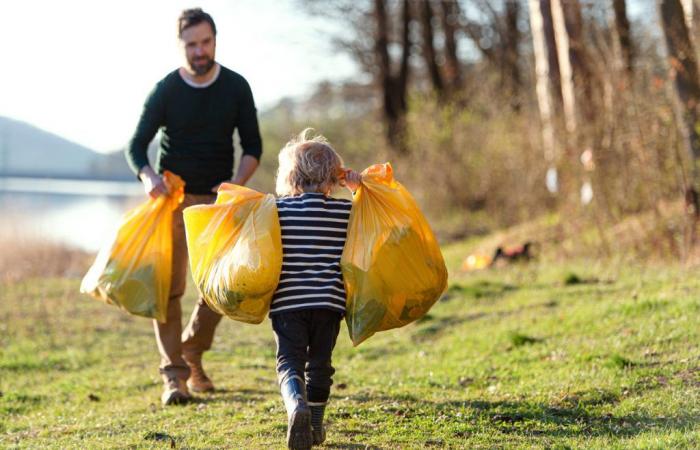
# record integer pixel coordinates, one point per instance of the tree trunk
(551, 46)
(402, 82)
(544, 99)
(393, 86)
(688, 14)
(691, 10)
(587, 85)
(429, 54)
(453, 69)
(684, 71)
(565, 68)
(511, 53)
(622, 26)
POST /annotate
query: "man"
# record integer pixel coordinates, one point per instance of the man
(197, 106)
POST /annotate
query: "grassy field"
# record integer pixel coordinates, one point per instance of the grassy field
(535, 356)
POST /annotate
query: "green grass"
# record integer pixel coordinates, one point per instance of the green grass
(510, 358)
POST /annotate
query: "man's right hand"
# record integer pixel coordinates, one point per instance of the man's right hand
(152, 182)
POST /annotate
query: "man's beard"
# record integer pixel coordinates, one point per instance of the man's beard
(201, 65)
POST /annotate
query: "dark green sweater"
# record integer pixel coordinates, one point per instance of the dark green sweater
(198, 126)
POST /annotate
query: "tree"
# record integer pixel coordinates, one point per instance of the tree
(586, 82)
(453, 68)
(684, 72)
(551, 47)
(544, 99)
(690, 14)
(376, 33)
(498, 39)
(511, 53)
(429, 53)
(393, 82)
(622, 27)
(561, 37)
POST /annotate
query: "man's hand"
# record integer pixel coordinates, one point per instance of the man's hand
(152, 182)
(351, 179)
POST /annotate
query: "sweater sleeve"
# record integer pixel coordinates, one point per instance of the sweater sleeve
(152, 118)
(247, 125)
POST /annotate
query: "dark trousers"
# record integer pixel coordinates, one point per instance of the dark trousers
(305, 341)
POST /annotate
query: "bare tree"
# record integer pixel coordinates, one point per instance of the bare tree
(429, 53)
(511, 53)
(587, 79)
(565, 68)
(622, 27)
(691, 10)
(684, 71)
(449, 20)
(551, 47)
(689, 13)
(498, 39)
(380, 42)
(393, 83)
(544, 100)
(477, 32)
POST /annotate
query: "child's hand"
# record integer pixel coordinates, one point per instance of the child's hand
(352, 179)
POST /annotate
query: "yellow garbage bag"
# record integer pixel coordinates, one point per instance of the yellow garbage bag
(235, 250)
(392, 265)
(134, 269)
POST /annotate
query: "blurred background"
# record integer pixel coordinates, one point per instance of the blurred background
(570, 123)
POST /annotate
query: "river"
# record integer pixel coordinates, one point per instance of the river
(77, 213)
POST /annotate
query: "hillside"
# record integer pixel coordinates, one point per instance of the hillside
(26, 150)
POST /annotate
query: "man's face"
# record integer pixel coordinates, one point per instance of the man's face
(199, 44)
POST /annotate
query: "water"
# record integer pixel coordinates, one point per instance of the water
(78, 213)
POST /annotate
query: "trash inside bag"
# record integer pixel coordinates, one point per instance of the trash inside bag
(134, 269)
(392, 265)
(235, 251)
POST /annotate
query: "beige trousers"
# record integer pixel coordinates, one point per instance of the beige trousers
(199, 333)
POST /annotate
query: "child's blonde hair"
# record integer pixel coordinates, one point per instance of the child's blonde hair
(307, 164)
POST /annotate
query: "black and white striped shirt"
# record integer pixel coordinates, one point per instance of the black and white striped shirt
(314, 228)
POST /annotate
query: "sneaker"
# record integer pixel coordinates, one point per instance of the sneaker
(175, 392)
(198, 380)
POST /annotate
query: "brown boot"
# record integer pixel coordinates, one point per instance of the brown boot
(174, 392)
(198, 380)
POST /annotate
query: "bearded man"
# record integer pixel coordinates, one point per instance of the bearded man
(197, 107)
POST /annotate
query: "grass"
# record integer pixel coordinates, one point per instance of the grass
(24, 257)
(510, 358)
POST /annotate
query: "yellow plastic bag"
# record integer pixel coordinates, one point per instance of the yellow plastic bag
(235, 250)
(133, 271)
(392, 265)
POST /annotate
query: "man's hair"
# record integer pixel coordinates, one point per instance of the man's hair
(191, 17)
(307, 164)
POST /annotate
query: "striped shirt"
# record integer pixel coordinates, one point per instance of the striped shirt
(314, 228)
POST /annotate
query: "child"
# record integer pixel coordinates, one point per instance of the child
(309, 301)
